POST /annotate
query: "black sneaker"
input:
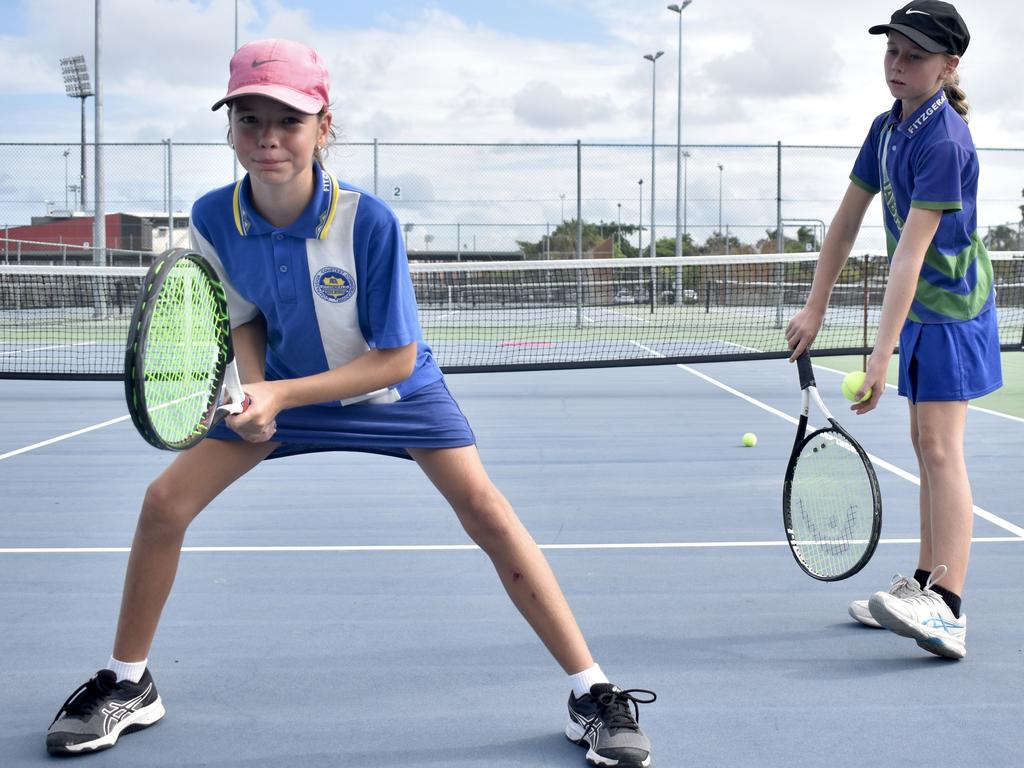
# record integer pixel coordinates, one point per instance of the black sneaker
(605, 720)
(101, 710)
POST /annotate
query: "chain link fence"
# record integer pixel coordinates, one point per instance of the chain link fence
(466, 201)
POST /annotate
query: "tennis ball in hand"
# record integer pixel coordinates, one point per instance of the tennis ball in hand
(853, 382)
(750, 439)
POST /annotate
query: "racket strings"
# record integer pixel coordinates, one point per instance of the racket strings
(833, 505)
(184, 352)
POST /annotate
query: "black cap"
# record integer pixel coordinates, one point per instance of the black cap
(931, 24)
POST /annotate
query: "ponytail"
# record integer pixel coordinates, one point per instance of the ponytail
(956, 95)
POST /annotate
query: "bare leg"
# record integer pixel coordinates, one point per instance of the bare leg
(172, 501)
(924, 558)
(524, 571)
(940, 441)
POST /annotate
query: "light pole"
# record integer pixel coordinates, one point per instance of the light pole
(653, 58)
(77, 86)
(686, 168)
(720, 169)
(640, 229)
(679, 118)
(66, 153)
(562, 195)
(618, 229)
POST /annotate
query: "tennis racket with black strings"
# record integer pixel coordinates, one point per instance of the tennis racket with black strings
(831, 505)
(180, 377)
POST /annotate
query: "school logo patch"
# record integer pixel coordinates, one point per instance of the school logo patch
(334, 285)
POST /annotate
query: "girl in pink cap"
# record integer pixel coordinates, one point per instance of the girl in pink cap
(329, 346)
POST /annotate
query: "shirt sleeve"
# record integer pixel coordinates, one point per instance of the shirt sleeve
(937, 177)
(865, 169)
(391, 301)
(240, 310)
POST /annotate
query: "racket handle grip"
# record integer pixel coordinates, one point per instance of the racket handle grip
(246, 402)
(806, 371)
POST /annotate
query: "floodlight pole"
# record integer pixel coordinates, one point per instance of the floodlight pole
(678, 8)
(99, 220)
(81, 175)
(640, 218)
(653, 58)
(76, 85)
(720, 170)
(686, 168)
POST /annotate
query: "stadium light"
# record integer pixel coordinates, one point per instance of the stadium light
(721, 169)
(77, 86)
(686, 168)
(679, 119)
(653, 58)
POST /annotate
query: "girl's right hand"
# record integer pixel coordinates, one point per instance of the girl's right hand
(257, 423)
(802, 330)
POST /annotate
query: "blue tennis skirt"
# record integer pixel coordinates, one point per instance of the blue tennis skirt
(950, 361)
(426, 418)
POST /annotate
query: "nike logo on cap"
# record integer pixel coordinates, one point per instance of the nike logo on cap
(261, 62)
(923, 13)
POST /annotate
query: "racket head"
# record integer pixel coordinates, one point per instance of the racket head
(832, 505)
(179, 345)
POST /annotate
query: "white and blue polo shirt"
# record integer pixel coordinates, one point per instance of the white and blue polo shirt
(332, 285)
(929, 161)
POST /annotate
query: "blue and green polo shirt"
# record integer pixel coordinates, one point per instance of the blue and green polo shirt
(929, 161)
(330, 286)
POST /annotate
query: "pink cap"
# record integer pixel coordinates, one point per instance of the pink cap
(283, 70)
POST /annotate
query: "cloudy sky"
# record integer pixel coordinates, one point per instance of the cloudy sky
(800, 71)
(803, 72)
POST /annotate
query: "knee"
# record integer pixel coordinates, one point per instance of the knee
(487, 517)
(163, 510)
(935, 450)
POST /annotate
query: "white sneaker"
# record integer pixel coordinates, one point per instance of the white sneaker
(924, 617)
(900, 586)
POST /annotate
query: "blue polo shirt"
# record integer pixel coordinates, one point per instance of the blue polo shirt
(330, 286)
(929, 161)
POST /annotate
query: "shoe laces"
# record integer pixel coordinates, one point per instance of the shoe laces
(619, 709)
(903, 586)
(937, 575)
(83, 701)
(927, 594)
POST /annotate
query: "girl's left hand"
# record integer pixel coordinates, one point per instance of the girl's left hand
(874, 377)
(257, 423)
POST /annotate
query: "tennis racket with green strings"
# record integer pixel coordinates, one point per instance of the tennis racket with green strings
(831, 504)
(180, 378)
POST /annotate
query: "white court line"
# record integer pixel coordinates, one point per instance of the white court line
(33, 350)
(57, 439)
(342, 548)
(984, 514)
(1006, 525)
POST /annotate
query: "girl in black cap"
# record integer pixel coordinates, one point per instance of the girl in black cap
(939, 304)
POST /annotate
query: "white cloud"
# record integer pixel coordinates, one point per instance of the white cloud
(544, 105)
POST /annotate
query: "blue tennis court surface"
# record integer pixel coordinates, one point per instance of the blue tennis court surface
(330, 611)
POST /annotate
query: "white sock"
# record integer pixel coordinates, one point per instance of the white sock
(582, 681)
(127, 670)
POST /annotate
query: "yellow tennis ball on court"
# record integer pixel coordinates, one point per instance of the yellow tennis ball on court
(853, 382)
(750, 439)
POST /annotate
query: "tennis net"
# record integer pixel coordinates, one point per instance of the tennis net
(72, 322)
